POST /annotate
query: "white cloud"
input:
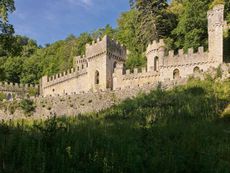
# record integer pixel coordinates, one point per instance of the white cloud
(83, 3)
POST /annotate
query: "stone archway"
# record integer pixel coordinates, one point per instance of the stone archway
(176, 74)
(196, 70)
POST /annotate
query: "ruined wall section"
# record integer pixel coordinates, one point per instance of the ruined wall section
(19, 90)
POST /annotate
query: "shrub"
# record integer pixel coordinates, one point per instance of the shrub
(27, 106)
(33, 92)
(2, 96)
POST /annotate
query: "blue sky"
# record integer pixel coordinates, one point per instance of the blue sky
(50, 20)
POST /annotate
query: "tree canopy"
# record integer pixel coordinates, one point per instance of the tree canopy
(181, 23)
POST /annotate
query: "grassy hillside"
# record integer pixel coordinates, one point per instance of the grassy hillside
(182, 130)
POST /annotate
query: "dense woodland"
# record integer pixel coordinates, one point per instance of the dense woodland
(182, 23)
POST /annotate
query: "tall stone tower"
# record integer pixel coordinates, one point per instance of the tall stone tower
(155, 55)
(102, 57)
(215, 33)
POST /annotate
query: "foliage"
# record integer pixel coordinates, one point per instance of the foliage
(163, 131)
(154, 21)
(226, 47)
(33, 92)
(6, 7)
(127, 35)
(27, 106)
(182, 24)
(12, 68)
(2, 96)
(191, 30)
(101, 32)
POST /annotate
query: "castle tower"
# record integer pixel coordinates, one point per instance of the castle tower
(215, 33)
(155, 54)
(102, 57)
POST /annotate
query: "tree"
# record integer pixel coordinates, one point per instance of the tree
(32, 69)
(101, 32)
(12, 69)
(191, 30)
(6, 30)
(127, 35)
(155, 21)
(6, 7)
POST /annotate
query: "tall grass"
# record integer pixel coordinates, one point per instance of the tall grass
(165, 131)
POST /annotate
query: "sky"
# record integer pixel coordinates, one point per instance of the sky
(47, 21)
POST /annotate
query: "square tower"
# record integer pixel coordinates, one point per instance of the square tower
(102, 57)
(215, 33)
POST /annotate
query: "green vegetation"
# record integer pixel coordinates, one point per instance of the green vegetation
(182, 24)
(2, 96)
(27, 106)
(182, 130)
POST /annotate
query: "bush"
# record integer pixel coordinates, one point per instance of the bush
(27, 106)
(2, 96)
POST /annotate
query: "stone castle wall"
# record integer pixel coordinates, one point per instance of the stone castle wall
(69, 83)
(17, 90)
(99, 59)
(102, 66)
(75, 104)
(137, 78)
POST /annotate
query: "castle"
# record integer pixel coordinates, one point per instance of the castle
(102, 66)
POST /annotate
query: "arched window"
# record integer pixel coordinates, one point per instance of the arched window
(114, 65)
(82, 66)
(176, 74)
(97, 76)
(196, 70)
(9, 96)
(156, 63)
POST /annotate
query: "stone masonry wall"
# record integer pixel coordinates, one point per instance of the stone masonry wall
(18, 90)
(136, 79)
(75, 104)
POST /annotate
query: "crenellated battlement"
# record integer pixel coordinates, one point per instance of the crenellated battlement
(215, 17)
(102, 66)
(189, 58)
(17, 89)
(155, 46)
(97, 47)
(133, 78)
(105, 45)
(81, 63)
(116, 50)
(64, 76)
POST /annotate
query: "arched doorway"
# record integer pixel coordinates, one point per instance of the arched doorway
(156, 63)
(97, 77)
(196, 70)
(176, 74)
